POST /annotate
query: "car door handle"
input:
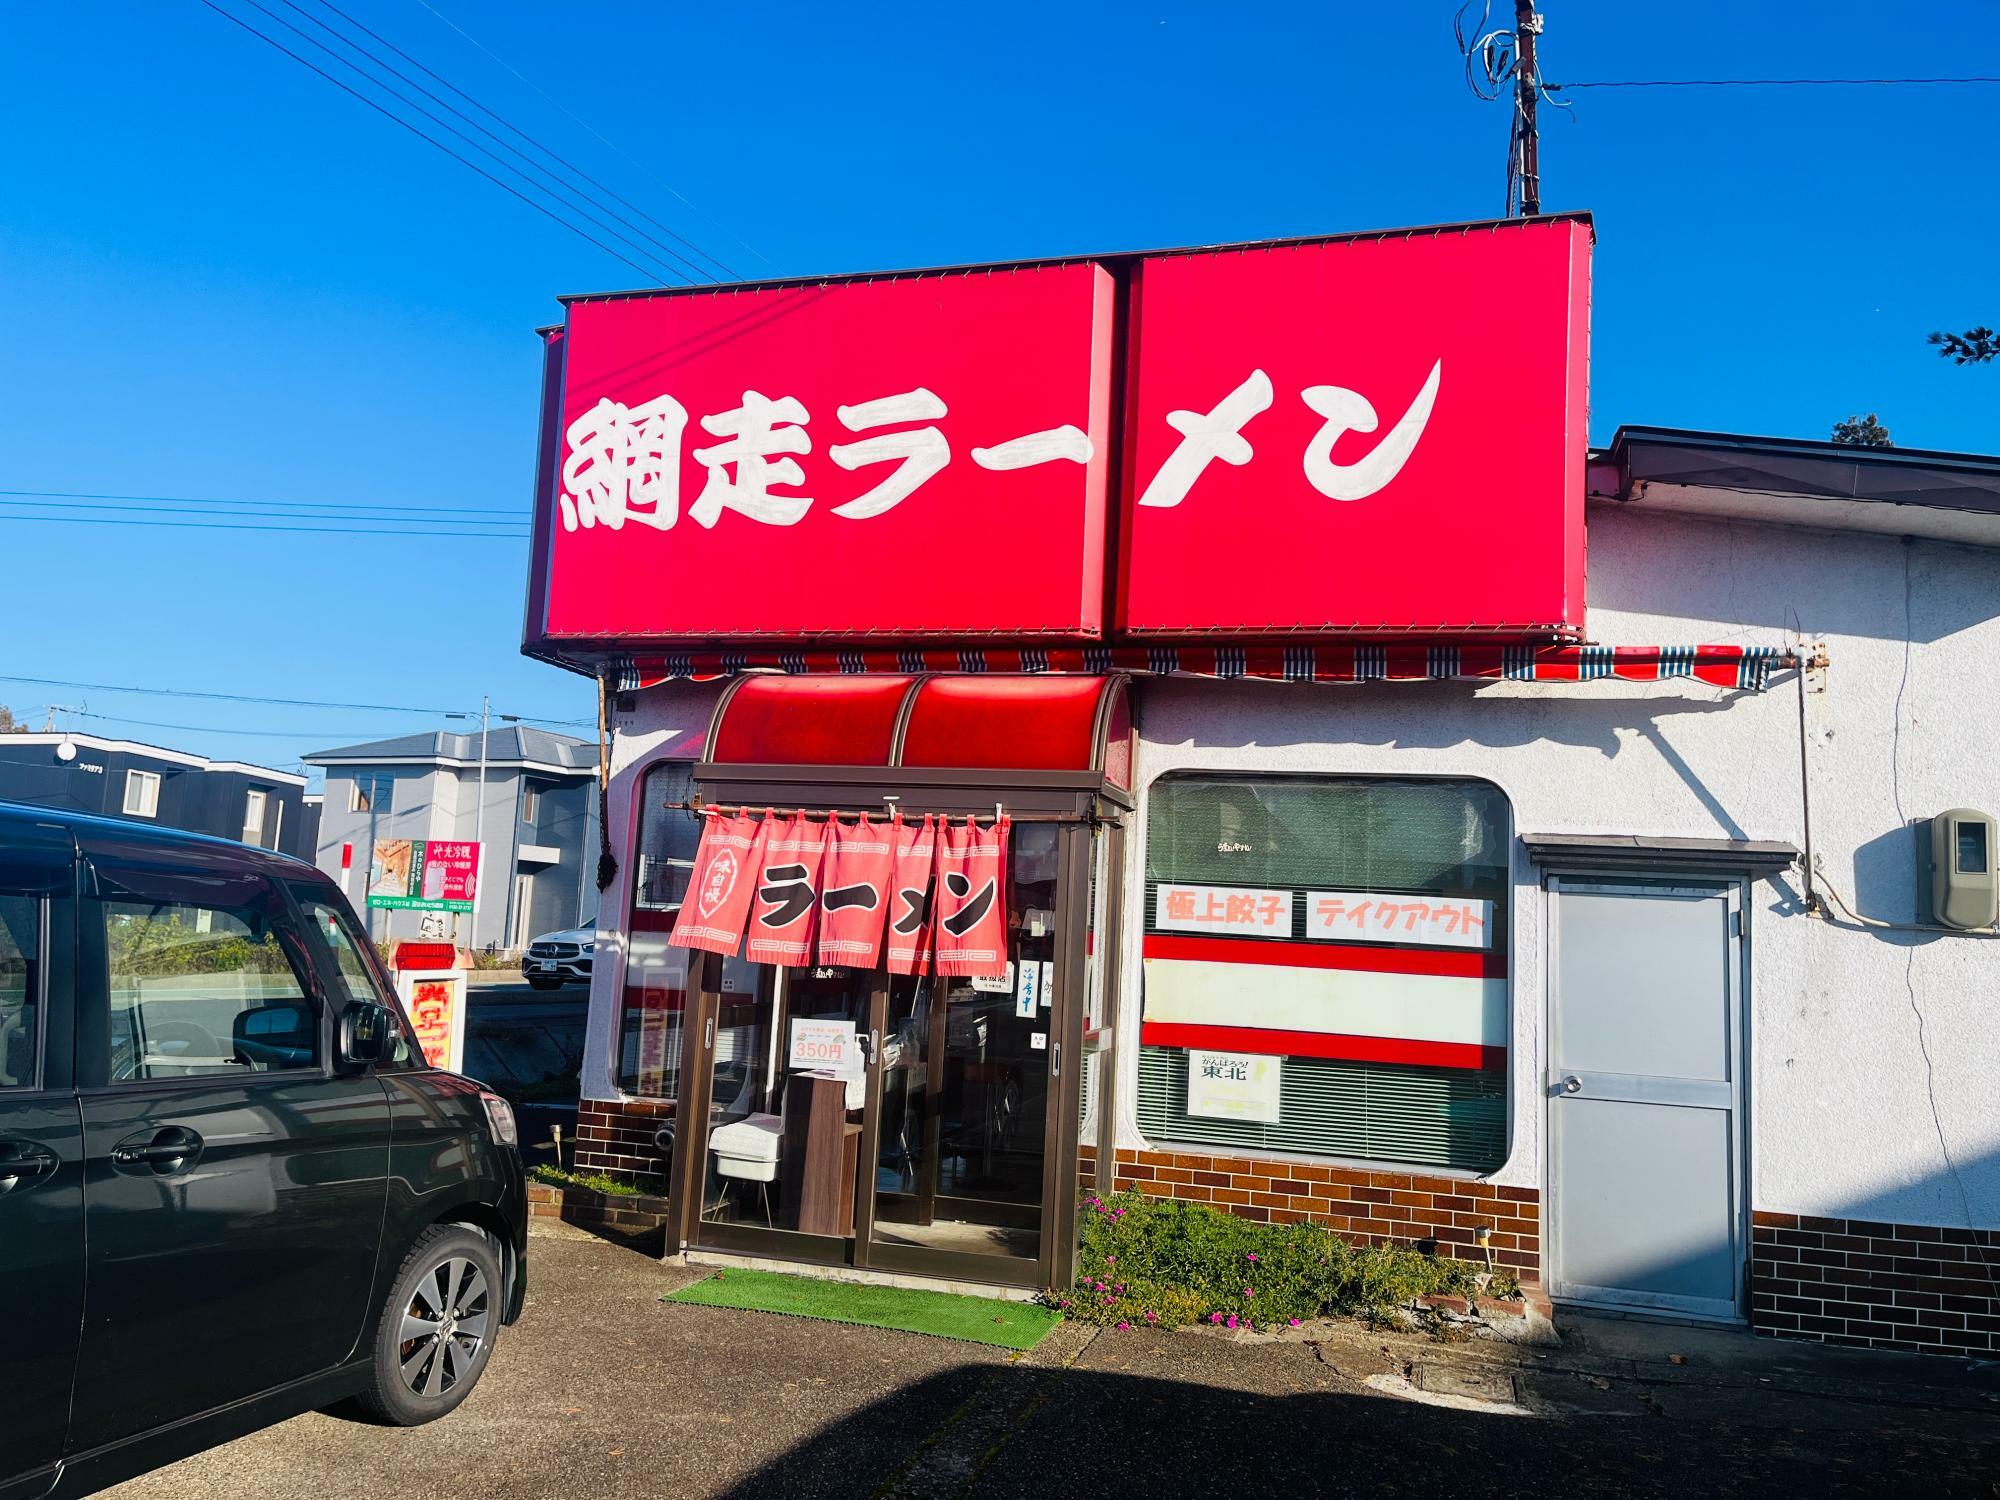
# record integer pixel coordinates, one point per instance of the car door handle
(24, 1160)
(169, 1151)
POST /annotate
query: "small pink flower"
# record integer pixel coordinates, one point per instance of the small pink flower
(1251, 1257)
(1232, 1320)
(1216, 1317)
(1152, 1317)
(1123, 1324)
(1248, 1292)
(1111, 1260)
(1294, 1322)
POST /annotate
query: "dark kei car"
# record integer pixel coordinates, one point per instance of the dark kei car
(231, 1189)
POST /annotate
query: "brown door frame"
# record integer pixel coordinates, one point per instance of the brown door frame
(1076, 800)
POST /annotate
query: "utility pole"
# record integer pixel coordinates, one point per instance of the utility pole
(479, 820)
(1527, 27)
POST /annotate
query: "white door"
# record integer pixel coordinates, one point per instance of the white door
(1645, 1089)
(524, 890)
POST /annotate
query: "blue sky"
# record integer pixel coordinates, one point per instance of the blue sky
(221, 277)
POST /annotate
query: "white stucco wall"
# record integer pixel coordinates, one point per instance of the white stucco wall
(1848, 1118)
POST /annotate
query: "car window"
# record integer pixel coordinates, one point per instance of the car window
(20, 988)
(202, 978)
(352, 978)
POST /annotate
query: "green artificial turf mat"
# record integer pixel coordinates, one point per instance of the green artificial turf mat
(977, 1320)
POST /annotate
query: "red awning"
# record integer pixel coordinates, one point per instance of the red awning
(997, 723)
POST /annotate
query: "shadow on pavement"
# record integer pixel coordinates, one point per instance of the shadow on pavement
(1050, 1433)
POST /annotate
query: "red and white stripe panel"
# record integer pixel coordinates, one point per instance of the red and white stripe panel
(1359, 1002)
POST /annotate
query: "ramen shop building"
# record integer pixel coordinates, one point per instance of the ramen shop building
(1206, 722)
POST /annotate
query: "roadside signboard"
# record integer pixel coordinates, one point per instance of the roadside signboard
(423, 874)
(1353, 436)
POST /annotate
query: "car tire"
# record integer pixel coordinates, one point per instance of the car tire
(437, 1329)
(544, 984)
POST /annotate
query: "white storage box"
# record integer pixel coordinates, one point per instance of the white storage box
(748, 1148)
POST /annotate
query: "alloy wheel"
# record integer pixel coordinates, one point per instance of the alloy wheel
(446, 1324)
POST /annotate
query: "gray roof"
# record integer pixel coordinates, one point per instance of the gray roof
(1798, 481)
(506, 745)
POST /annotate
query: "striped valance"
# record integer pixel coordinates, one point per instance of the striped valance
(1722, 666)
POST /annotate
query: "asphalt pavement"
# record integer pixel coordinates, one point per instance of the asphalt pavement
(604, 1390)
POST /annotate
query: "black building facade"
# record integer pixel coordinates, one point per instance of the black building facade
(167, 788)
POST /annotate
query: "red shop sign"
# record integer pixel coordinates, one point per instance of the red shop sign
(1378, 434)
(727, 458)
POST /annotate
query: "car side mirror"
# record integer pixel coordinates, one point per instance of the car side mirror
(367, 1033)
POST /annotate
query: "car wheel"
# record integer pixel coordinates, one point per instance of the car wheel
(544, 984)
(436, 1332)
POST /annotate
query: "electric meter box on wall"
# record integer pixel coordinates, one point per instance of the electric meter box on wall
(1963, 893)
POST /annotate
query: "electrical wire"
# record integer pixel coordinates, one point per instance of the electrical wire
(593, 130)
(276, 512)
(330, 737)
(221, 524)
(384, 708)
(576, 198)
(560, 160)
(389, 114)
(342, 505)
(654, 268)
(1765, 83)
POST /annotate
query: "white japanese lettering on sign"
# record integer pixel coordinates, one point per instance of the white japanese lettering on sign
(1209, 908)
(1370, 917)
(624, 462)
(1234, 1085)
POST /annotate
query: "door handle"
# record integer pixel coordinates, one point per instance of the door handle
(171, 1150)
(23, 1160)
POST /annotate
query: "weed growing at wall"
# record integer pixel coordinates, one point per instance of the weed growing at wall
(1159, 1262)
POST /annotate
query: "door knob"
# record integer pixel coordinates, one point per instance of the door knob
(173, 1148)
(1572, 1084)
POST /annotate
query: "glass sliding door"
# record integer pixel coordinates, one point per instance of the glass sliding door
(965, 1079)
(788, 1115)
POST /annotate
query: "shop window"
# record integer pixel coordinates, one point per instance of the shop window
(654, 999)
(1326, 967)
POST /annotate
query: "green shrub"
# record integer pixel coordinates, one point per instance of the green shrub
(1163, 1263)
(598, 1182)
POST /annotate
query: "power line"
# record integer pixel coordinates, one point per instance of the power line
(211, 501)
(654, 268)
(384, 708)
(278, 734)
(553, 156)
(219, 524)
(389, 114)
(1763, 83)
(575, 198)
(61, 510)
(593, 130)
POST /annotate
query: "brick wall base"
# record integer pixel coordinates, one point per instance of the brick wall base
(639, 1222)
(616, 1137)
(1371, 1207)
(1865, 1283)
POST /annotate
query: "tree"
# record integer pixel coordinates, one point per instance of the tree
(8, 723)
(1862, 432)
(1975, 346)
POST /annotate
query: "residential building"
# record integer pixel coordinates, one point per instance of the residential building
(538, 827)
(149, 784)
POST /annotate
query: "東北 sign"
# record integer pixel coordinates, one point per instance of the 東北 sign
(423, 874)
(1234, 1086)
(1352, 436)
